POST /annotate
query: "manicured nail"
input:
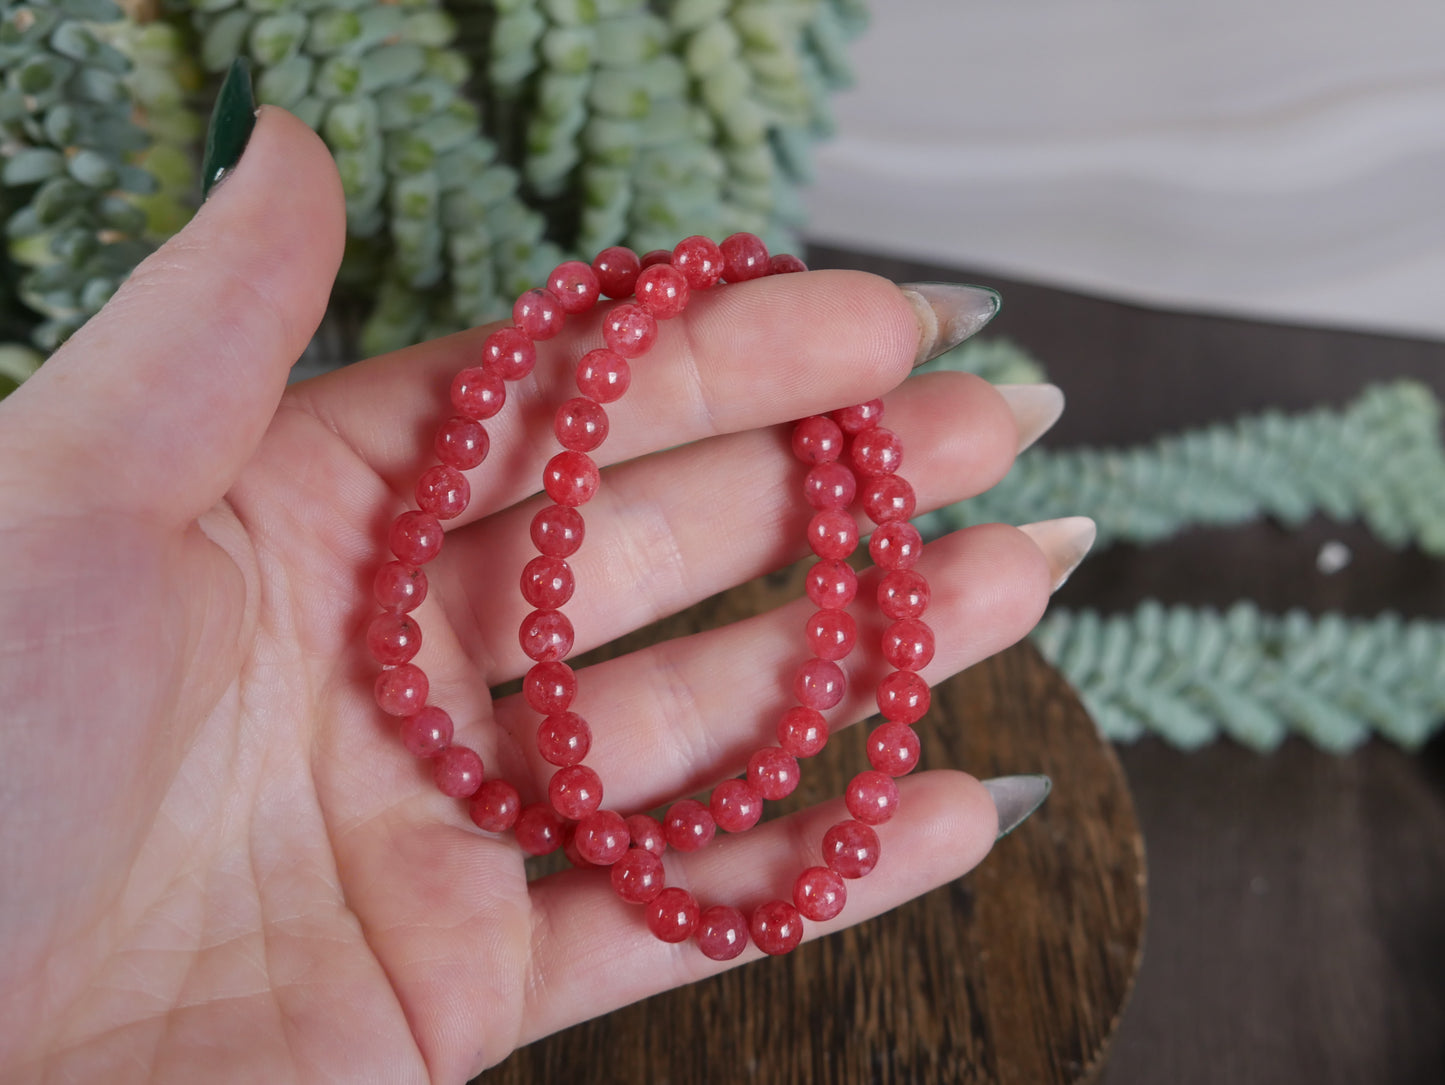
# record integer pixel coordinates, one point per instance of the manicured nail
(1035, 407)
(948, 314)
(231, 123)
(1016, 797)
(1064, 542)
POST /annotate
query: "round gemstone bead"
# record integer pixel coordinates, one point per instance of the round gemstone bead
(662, 291)
(478, 393)
(457, 771)
(817, 440)
(637, 877)
(616, 269)
(688, 825)
(832, 584)
(819, 684)
(872, 796)
(903, 593)
(646, 832)
(399, 587)
(776, 927)
(557, 531)
(574, 792)
(672, 915)
(547, 582)
(416, 537)
(859, 417)
(893, 749)
(722, 932)
(819, 893)
(602, 838)
(895, 545)
(549, 687)
(538, 829)
(851, 849)
(802, 732)
(462, 443)
(629, 330)
(832, 533)
(603, 375)
(908, 644)
(654, 257)
(569, 847)
(563, 739)
(538, 313)
(571, 478)
(744, 257)
(832, 633)
(877, 451)
(888, 497)
(509, 353)
(393, 638)
(580, 424)
(427, 733)
(495, 807)
(574, 285)
(785, 263)
(830, 486)
(735, 805)
(545, 635)
(773, 772)
(402, 690)
(903, 697)
(443, 491)
(700, 260)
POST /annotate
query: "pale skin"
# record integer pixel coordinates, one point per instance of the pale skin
(217, 862)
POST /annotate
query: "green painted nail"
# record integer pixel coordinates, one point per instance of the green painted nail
(231, 123)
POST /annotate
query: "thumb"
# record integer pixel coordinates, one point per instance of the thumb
(157, 403)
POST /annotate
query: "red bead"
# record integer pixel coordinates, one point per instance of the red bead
(509, 353)
(443, 491)
(646, 833)
(851, 849)
(545, 635)
(495, 807)
(392, 638)
(735, 805)
(672, 915)
(819, 894)
(457, 771)
(803, 732)
(662, 291)
(402, 690)
(538, 829)
(819, 684)
(688, 825)
(603, 375)
(722, 932)
(478, 392)
(416, 537)
(574, 792)
(547, 582)
(580, 424)
(461, 443)
(773, 772)
(785, 263)
(903, 697)
(602, 837)
(830, 486)
(893, 748)
(557, 531)
(574, 285)
(629, 330)
(399, 587)
(872, 796)
(832, 584)
(538, 313)
(908, 644)
(564, 738)
(549, 687)
(877, 451)
(833, 533)
(859, 417)
(776, 927)
(832, 633)
(637, 877)
(427, 733)
(895, 545)
(817, 440)
(903, 593)
(744, 257)
(700, 261)
(571, 478)
(888, 497)
(655, 257)
(616, 269)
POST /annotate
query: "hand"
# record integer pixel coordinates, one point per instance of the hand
(217, 862)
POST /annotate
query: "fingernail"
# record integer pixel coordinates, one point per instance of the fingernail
(231, 123)
(948, 314)
(1064, 542)
(1016, 797)
(1035, 408)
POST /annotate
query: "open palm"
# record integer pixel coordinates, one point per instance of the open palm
(217, 862)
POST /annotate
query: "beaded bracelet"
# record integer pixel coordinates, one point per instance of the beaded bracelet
(631, 848)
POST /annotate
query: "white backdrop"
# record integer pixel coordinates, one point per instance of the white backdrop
(1279, 158)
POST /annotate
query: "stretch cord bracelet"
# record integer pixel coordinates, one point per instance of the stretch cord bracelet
(851, 458)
